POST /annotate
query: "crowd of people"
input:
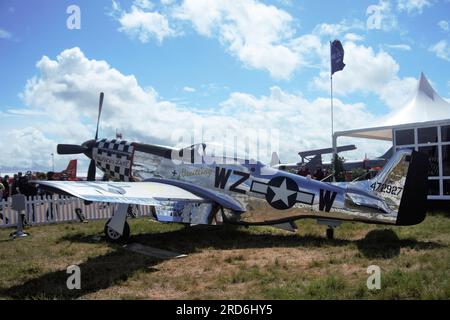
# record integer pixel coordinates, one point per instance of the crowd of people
(318, 174)
(10, 186)
(19, 184)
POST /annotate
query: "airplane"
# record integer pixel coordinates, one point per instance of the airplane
(310, 159)
(316, 160)
(70, 173)
(197, 185)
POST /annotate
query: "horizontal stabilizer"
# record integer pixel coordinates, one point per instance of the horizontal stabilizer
(288, 226)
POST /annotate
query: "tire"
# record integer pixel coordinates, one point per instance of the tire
(115, 237)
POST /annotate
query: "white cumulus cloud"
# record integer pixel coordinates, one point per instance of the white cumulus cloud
(67, 90)
(368, 71)
(142, 24)
(254, 32)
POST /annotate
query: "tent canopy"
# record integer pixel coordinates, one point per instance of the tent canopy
(426, 106)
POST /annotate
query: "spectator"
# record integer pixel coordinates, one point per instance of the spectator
(15, 185)
(29, 190)
(2, 189)
(304, 171)
(49, 213)
(319, 174)
(6, 185)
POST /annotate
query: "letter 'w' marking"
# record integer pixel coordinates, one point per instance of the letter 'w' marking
(326, 201)
(222, 176)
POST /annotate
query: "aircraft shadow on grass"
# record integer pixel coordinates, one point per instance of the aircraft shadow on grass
(116, 267)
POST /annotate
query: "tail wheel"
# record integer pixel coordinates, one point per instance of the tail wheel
(114, 236)
(330, 233)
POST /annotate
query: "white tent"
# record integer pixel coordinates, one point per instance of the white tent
(426, 105)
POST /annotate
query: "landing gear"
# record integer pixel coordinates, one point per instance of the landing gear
(115, 237)
(330, 233)
(331, 224)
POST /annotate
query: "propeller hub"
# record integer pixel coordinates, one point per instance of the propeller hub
(89, 144)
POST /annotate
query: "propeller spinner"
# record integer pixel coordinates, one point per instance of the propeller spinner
(86, 147)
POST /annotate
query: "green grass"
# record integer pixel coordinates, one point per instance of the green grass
(231, 262)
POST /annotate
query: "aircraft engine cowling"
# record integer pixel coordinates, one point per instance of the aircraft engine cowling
(114, 158)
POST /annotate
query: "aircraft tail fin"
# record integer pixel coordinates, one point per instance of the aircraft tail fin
(275, 159)
(71, 169)
(402, 185)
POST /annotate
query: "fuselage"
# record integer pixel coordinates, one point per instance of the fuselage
(268, 195)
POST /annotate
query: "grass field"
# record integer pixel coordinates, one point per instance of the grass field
(231, 262)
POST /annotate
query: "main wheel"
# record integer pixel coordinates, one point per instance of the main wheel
(114, 236)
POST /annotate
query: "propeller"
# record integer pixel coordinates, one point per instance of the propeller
(70, 149)
(86, 147)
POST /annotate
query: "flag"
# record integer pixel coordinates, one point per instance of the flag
(337, 56)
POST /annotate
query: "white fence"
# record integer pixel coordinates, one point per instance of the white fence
(53, 209)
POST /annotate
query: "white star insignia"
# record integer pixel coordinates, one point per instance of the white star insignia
(282, 193)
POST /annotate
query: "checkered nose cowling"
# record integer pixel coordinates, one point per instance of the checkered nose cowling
(114, 157)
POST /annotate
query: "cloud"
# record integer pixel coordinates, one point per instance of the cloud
(67, 89)
(25, 112)
(381, 17)
(368, 71)
(189, 89)
(334, 30)
(143, 4)
(5, 34)
(353, 37)
(403, 47)
(413, 6)
(444, 25)
(441, 49)
(31, 149)
(256, 33)
(142, 24)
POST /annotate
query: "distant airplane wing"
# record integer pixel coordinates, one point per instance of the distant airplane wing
(142, 193)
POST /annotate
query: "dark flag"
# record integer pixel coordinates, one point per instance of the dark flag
(337, 56)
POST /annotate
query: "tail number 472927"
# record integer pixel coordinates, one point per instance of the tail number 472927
(386, 188)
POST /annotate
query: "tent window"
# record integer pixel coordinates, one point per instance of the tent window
(427, 135)
(445, 133)
(433, 187)
(446, 187)
(432, 153)
(404, 137)
(446, 160)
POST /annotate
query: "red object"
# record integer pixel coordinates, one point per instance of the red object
(69, 174)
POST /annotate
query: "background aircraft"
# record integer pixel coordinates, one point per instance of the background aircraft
(313, 158)
(70, 173)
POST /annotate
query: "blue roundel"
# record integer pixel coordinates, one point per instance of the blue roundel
(282, 193)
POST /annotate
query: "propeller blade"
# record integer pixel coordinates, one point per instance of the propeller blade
(70, 149)
(100, 104)
(91, 171)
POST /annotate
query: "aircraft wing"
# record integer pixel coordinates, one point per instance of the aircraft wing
(142, 193)
(150, 192)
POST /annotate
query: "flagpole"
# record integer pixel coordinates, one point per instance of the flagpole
(332, 116)
(331, 95)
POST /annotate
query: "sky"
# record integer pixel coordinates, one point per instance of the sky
(228, 69)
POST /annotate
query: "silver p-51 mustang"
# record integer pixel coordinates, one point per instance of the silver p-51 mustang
(199, 185)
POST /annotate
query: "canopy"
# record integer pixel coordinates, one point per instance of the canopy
(425, 106)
